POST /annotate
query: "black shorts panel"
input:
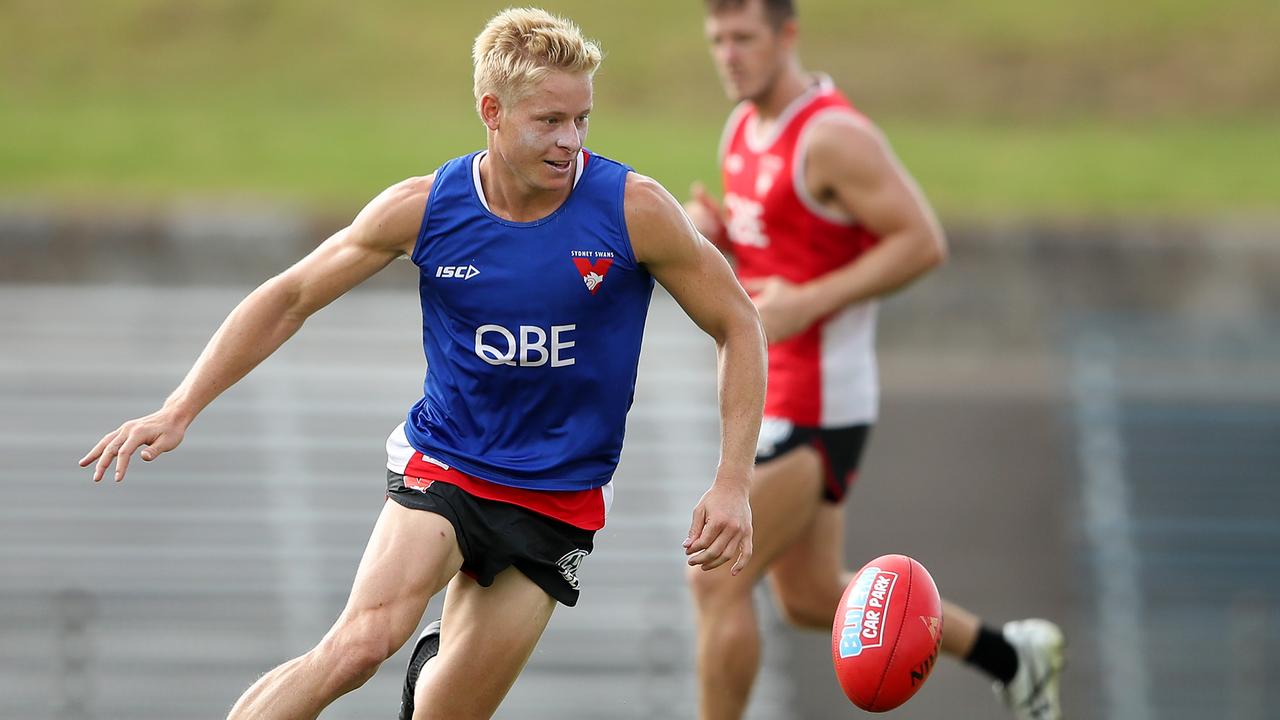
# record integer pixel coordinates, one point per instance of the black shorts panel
(839, 448)
(494, 536)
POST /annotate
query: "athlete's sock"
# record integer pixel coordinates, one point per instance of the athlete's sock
(993, 655)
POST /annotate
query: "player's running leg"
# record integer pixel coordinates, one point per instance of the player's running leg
(1024, 659)
(487, 636)
(809, 576)
(387, 600)
(785, 494)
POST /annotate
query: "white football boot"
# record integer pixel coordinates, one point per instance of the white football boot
(1032, 694)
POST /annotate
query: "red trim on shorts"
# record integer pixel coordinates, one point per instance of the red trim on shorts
(580, 508)
(828, 474)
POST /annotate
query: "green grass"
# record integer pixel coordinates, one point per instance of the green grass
(1175, 169)
(999, 108)
(119, 153)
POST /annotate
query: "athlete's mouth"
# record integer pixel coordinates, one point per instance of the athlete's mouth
(558, 164)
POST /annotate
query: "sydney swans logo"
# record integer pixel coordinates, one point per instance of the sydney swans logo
(592, 272)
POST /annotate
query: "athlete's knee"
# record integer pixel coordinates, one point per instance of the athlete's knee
(714, 588)
(806, 606)
(355, 648)
(725, 611)
(806, 614)
(351, 661)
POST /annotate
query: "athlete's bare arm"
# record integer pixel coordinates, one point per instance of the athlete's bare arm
(850, 168)
(386, 228)
(707, 215)
(698, 277)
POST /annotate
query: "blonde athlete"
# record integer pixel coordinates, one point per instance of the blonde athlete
(821, 220)
(537, 259)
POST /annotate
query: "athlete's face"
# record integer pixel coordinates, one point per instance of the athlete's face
(540, 134)
(749, 52)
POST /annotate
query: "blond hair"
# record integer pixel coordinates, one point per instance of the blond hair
(520, 46)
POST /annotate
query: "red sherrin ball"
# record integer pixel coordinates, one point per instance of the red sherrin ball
(886, 633)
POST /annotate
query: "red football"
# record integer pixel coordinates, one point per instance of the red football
(887, 632)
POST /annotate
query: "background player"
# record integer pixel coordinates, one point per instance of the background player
(537, 260)
(821, 220)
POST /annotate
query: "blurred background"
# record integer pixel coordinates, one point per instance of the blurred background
(1081, 411)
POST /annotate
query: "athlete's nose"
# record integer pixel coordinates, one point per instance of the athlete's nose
(570, 139)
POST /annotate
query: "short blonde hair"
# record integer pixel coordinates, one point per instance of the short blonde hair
(520, 46)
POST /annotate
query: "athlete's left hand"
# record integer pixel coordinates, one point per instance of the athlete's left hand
(721, 528)
(785, 309)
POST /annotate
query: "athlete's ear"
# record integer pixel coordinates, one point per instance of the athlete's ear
(490, 110)
(789, 31)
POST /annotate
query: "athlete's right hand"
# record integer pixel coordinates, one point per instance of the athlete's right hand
(156, 433)
(721, 530)
(706, 214)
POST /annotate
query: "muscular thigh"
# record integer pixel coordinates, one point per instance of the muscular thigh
(487, 635)
(410, 556)
(815, 560)
(785, 496)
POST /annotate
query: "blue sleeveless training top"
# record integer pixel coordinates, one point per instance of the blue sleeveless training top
(531, 331)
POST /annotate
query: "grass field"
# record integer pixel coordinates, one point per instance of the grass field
(999, 108)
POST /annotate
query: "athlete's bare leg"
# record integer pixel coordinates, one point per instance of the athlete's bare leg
(959, 630)
(387, 600)
(785, 494)
(799, 542)
(809, 577)
(487, 636)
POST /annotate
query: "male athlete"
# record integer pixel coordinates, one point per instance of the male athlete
(537, 260)
(821, 220)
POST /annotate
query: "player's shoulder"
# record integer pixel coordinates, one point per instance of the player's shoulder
(655, 219)
(643, 189)
(395, 215)
(843, 141)
(645, 200)
(833, 119)
(838, 128)
(408, 191)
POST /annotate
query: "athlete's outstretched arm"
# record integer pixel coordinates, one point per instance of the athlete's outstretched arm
(849, 165)
(699, 278)
(270, 315)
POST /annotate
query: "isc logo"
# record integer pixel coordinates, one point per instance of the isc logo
(497, 345)
(462, 272)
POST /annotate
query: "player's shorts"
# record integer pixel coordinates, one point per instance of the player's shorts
(840, 450)
(494, 536)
